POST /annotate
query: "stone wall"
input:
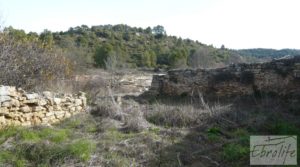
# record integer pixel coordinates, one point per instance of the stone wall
(18, 107)
(280, 77)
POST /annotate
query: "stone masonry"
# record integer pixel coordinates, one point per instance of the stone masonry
(18, 107)
(278, 77)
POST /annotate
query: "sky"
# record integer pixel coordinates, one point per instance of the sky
(237, 24)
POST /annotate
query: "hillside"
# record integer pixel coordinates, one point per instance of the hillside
(268, 53)
(122, 46)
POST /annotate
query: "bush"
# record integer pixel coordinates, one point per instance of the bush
(28, 64)
(233, 151)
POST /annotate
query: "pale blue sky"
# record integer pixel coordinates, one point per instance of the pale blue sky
(234, 23)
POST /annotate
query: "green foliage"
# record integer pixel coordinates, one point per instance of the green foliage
(82, 149)
(101, 55)
(124, 46)
(7, 132)
(283, 128)
(43, 147)
(233, 152)
(213, 134)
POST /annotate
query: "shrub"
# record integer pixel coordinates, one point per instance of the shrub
(234, 151)
(28, 64)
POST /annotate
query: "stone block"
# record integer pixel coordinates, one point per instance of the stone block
(2, 120)
(42, 102)
(6, 104)
(38, 108)
(31, 96)
(4, 99)
(49, 114)
(25, 109)
(15, 103)
(57, 101)
(8, 91)
(4, 111)
(78, 102)
(48, 94)
(32, 101)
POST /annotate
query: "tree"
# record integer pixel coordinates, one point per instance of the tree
(47, 39)
(159, 31)
(101, 55)
(178, 58)
(201, 58)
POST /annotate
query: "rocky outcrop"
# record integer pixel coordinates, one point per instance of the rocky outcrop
(280, 77)
(18, 107)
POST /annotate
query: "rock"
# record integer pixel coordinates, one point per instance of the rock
(15, 103)
(2, 120)
(78, 109)
(8, 91)
(47, 94)
(32, 96)
(25, 124)
(49, 114)
(36, 121)
(67, 115)
(42, 102)
(4, 111)
(83, 98)
(39, 114)
(4, 98)
(20, 108)
(82, 94)
(78, 102)
(38, 108)
(25, 109)
(6, 104)
(32, 101)
(57, 101)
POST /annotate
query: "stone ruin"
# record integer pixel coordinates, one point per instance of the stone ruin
(278, 77)
(19, 108)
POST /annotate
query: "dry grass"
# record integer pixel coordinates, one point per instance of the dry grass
(184, 115)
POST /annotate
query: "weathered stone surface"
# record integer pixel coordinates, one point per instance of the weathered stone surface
(78, 102)
(57, 101)
(32, 101)
(25, 109)
(6, 104)
(8, 91)
(281, 77)
(38, 108)
(2, 120)
(31, 96)
(4, 111)
(42, 102)
(47, 94)
(15, 103)
(4, 98)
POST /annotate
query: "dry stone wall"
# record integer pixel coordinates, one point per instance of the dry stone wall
(280, 77)
(18, 107)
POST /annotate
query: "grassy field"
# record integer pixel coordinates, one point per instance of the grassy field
(154, 132)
